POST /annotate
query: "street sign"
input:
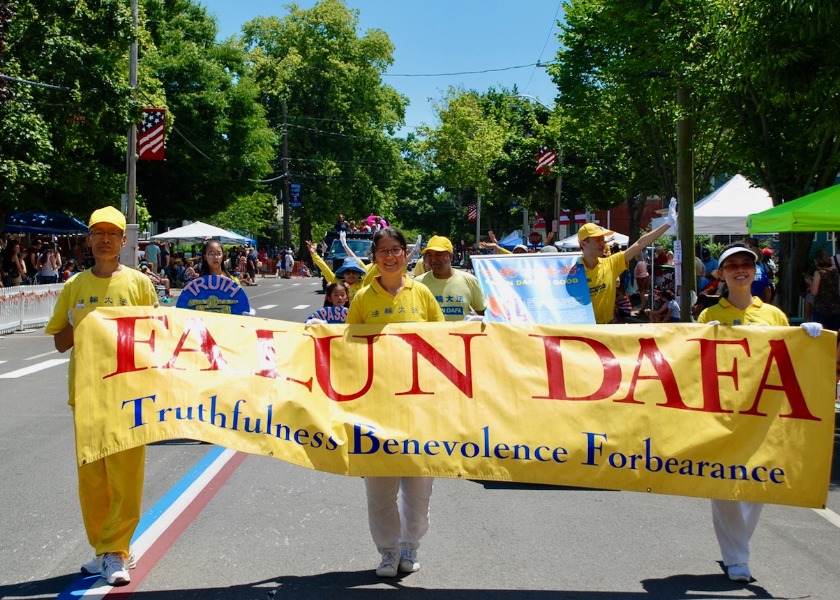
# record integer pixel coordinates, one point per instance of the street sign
(294, 196)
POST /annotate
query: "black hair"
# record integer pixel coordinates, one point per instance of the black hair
(329, 290)
(390, 232)
(205, 269)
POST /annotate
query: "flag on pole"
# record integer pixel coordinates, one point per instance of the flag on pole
(150, 140)
(545, 158)
(472, 212)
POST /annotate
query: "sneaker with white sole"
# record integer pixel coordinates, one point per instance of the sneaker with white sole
(388, 566)
(114, 570)
(408, 560)
(94, 565)
(739, 572)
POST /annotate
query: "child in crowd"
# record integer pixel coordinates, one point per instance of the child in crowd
(336, 303)
(668, 312)
(623, 305)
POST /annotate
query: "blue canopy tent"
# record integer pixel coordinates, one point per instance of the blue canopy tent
(511, 240)
(43, 222)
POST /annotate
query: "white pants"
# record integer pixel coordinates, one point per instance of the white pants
(734, 525)
(392, 526)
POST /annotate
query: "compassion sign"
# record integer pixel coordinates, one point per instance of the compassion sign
(741, 413)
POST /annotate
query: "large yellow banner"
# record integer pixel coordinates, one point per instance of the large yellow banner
(721, 412)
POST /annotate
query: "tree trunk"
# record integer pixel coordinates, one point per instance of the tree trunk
(793, 271)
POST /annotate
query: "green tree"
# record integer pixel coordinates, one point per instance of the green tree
(420, 198)
(62, 146)
(218, 141)
(776, 69)
(340, 114)
(619, 68)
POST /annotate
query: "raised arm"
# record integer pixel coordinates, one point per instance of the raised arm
(644, 241)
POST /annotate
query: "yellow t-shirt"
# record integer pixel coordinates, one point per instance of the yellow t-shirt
(456, 294)
(601, 282)
(374, 306)
(757, 313)
(126, 287)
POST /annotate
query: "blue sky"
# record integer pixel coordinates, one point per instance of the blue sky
(442, 36)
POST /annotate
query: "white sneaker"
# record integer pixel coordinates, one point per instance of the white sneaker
(739, 572)
(94, 565)
(408, 560)
(388, 566)
(114, 570)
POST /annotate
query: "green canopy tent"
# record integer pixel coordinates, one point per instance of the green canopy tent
(819, 211)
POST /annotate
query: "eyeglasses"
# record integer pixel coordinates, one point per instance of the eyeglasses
(110, 234)
(215, 254)
(383, 252)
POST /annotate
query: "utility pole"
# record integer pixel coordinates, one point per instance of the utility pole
(128, 254)
(558, 193)
(287, 231)
(685, 193)
(477, 218)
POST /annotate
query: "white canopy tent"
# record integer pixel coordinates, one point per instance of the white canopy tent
(200, 232)
(725, 211)
(571, 242)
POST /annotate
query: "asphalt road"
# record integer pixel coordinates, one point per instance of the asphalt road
(273, 530)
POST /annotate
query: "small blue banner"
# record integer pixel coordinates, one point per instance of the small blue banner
(543, 288)
(295, 200)
(214, 293)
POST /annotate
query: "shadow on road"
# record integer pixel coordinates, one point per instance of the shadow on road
(359, 584)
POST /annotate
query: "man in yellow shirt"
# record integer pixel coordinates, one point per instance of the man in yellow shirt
(110, 489)
(602, 272)
(456, 291)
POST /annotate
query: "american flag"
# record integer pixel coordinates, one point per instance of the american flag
(545, 158)
(150, 141)
(472, 212)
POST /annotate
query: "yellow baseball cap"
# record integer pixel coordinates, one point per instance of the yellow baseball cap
(438, 243)
(109, 214)
(592, 230)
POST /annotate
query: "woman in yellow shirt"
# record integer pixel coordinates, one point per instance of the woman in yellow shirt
(393, 297)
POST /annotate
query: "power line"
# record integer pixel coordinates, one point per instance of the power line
(536, 64)
(545, 45)
(34, 83)
(313, 130)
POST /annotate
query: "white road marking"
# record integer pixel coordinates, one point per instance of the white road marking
(301, 306)
(829, 515)
(40, 355)
(47, 364)
(150, 535)
(266, 307)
